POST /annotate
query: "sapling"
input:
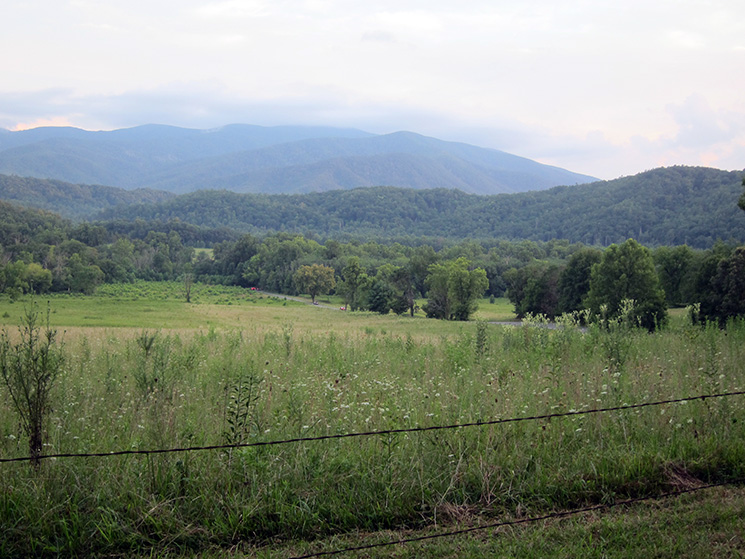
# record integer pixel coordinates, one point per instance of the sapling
(29, 369)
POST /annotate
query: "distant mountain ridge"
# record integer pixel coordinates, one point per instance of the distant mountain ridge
(285, 159)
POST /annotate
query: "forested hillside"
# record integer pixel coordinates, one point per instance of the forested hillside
(668, 206)
(74, 201)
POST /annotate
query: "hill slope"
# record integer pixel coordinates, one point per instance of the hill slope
(277, 160)
(676, 205)
(74, 201)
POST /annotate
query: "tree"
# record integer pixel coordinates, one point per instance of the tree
(380, 296)
(118, 267)
(354, 281)
(13, 279)
(741, 202)
(723, 294)
(438, 301)
(673, 266)
(534, 289)
(315, 279)
(626, 272)
(419, 263)
(402, 279)
(82, 278)
(188, 279)
(454, 290)
(38, 279)
(574, 281)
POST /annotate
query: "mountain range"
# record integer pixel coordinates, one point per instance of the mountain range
(284, 159)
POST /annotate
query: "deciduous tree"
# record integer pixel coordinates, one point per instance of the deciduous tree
(315, 279)
(454, 290)
(626, 272)
(574, 281)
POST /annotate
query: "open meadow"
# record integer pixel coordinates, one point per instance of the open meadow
(144, 370)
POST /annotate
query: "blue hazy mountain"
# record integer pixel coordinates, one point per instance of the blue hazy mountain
(282, 159)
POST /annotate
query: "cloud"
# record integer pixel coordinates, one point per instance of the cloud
(379, 37)
(699, 125)
(41, 122)
(232, 9)
(700, 135)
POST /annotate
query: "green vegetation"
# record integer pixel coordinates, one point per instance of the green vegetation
(454, 290)
(691, 206)
(270, 378)
(43, 254)
(315, 280)
(29, 369)
(704, 525)
(626, 273)
(73, 201)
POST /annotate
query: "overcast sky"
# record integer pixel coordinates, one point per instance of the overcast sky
(606, 88)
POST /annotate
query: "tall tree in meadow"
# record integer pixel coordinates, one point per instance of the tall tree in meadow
(534, 289)
(626, 272)
(721, 285)
(729, 287)
(355, 279)
(315, 279)
(419, 263)
(454, 290)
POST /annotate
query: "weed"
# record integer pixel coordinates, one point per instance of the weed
(240, 413)
(29, 369)
(482, 339)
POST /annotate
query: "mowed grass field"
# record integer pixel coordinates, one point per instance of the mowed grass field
(144, 370)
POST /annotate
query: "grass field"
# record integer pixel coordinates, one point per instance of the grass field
(162, 306)
(145, 370)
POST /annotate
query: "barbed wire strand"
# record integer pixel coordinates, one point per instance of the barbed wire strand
(551, 516)
(570, 413)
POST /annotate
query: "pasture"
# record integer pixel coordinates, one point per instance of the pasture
(144, 370)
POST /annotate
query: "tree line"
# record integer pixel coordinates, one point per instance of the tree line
(40, 252)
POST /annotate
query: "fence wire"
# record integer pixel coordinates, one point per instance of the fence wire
(570, 413)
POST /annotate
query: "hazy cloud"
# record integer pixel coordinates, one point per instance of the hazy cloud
(596, 87)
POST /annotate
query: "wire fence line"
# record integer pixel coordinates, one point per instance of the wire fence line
(549, 516)
(570, 413)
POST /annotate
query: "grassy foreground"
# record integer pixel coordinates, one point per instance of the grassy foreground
(269, 378)
(705, 525)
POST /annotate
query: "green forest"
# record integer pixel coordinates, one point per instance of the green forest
(692, 206)
(672, 206)
(43, 252)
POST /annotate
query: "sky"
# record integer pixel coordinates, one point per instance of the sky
(604, 88)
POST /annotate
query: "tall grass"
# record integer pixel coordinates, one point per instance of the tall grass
(155, 389)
